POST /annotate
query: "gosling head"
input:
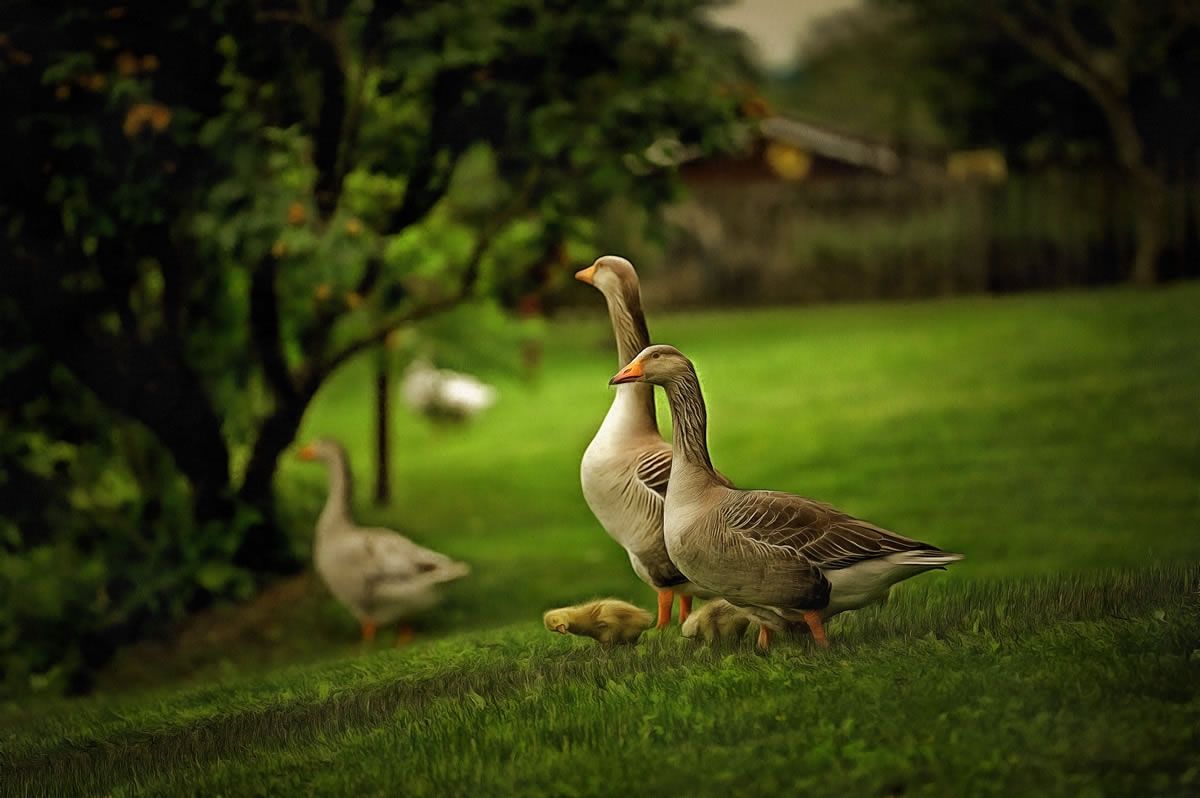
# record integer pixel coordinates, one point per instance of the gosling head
(613, 275)
(659, 365)
(324, 449)
(557, 621)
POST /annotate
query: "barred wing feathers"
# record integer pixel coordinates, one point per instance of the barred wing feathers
(813, 531)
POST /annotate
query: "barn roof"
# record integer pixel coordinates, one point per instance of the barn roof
(778, 147)
(830, 144)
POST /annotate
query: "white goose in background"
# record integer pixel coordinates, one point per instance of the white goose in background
(380, 575)
(780, 557)
(625, 468)
(444, 394)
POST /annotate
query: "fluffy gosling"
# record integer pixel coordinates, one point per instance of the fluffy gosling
(607, 620)
(716, 620)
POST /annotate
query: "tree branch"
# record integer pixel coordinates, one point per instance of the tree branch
(1061, 23)
(384, 329)
(470, 277)
(371, 274)
(264, 329)
(428, 182)
(330, 32)
(330, 53)
(466, 286)
(1176, 19)
(313, 373)
(1047, 51)
(1106, 85)
(417, 203)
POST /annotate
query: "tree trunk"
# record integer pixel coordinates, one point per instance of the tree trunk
(383, 486)
(148, 380)
(265, 548)
(1150, 224)
(1149, 188)
(151, 383)
(1107, 82)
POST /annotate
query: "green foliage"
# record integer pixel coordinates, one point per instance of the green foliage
(99, 540)
(209, 208)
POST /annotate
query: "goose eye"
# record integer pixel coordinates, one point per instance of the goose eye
(657, 354)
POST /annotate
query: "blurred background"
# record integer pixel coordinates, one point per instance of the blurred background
(228, 227)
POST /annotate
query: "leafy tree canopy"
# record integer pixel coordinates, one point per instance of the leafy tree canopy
(210, 206)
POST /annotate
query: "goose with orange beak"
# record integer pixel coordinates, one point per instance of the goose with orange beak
(782, 558)
(380, 575)
(625, 468)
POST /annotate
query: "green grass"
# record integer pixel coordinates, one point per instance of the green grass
(1053, 439)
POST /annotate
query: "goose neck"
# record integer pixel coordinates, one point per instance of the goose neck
(634, 402)
(628, 323)
(689, 424)
(632, 412)
(337, 505)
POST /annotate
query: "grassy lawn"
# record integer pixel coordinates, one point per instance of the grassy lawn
(1054, 439)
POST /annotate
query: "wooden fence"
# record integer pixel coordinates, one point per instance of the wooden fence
(874, 237)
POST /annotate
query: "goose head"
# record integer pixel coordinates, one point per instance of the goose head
(557, 621)
(611, 274)
(659, 365)
(322, 449)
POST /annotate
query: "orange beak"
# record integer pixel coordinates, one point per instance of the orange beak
(307, 453)
(562, 630)
(631, 373)
(587, 274)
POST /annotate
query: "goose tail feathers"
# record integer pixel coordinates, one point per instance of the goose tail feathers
(926, 558)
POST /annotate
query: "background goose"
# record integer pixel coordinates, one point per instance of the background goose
(625, 468)
(380, 575)
(444, 395)
(781, 557)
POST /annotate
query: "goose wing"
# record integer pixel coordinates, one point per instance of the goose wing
(397, 556)
(645, 494)
(653, 471)
(810, 530)
(386, 560)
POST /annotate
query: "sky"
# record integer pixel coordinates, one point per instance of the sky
(776, 26)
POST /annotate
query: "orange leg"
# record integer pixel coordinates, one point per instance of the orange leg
(685, 608)
(813, 619)
(764, 637)
(404, 635)
(665, 599)
(368, 631)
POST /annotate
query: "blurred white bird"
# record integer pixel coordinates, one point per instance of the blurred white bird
(443, 394)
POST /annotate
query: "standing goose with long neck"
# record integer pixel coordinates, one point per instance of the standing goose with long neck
(781, 557)
(380, 575)
(625, 468)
